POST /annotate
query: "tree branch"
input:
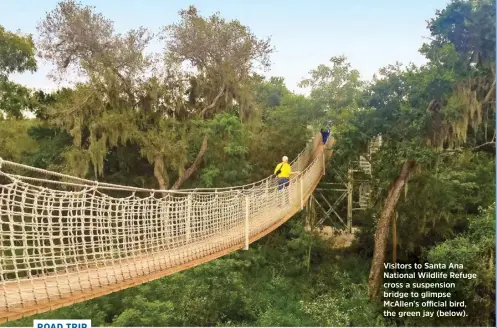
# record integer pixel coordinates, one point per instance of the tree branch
(194, 167)
(203, 111)
(491, 142)
(489, 94)
(484, 144)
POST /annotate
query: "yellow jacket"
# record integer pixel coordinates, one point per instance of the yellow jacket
(286, 170)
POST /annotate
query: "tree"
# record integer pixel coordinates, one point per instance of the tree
(464, 42)
(119, 104)
(99, 114)
(224, 55)
(269, 93)
(467, 25)
(17, 55)
(335, 89)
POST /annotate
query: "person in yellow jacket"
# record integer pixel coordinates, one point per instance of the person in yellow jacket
(283, 170)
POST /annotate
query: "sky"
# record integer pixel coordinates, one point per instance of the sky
(305, 33)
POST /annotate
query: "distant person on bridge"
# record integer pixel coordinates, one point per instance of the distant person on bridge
(325, 134)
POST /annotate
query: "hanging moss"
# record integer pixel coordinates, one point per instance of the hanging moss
(77, 162)
(464, 110)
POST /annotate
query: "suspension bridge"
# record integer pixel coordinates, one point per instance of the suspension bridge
(65, 240)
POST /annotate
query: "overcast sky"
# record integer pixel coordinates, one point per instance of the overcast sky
(305, 33)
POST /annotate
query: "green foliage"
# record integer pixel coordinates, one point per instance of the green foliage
(142, 312)
(52, 144)
(469, 26)
(225, 159)
(283, 132)
(17, 53)
(475, 249)
(15, 142)
(14, 98)
(269, 93)
(336, 91)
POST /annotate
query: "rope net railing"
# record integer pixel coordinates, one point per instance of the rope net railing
(60, 235)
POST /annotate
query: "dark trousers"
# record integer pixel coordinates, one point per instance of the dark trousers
(325, 137)
(283, 182)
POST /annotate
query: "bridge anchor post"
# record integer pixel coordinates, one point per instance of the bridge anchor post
(349, 199)
(188, 226)
(324, 164)
(301, 192)
(247, 230)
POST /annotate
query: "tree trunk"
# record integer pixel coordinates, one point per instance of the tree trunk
(159, 173)
(382, 230)
(194, 167)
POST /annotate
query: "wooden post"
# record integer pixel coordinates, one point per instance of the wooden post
(247, 230)
(349, 199)
(324, 165)
(301, 193)
(166, 231)
(188, 226)
(267, 188)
